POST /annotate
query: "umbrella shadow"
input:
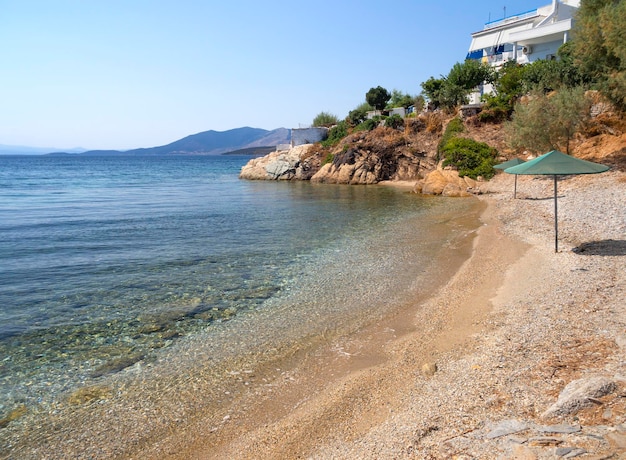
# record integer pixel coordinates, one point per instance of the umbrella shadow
(541, 198)
(602, 248)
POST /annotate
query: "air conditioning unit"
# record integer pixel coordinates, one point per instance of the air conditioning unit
(527, 49)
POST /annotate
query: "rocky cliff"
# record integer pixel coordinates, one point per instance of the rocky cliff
(366, 157)
(405, 154)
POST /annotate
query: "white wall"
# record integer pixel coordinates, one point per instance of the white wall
(301, 136)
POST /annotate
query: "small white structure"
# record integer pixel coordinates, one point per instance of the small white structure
(523, 37)
(387, 112)
(398, 111)
(301, 136)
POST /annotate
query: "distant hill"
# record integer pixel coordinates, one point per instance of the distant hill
(210, 143)
(24, 150)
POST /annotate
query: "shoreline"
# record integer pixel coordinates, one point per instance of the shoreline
(209, 380)
(348, 407)
(489, 349)
(515, 325)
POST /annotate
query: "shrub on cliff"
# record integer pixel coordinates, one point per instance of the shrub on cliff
(395, 121)
(368, 124)
(325, 119)
(357, 116)
(471, 158)
(335, 134)
(454, 127)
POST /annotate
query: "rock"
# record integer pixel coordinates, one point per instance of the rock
(544, 441)
(577, 395)
(560, 429)
(574, 452)
(563, 451)
(618, 440)
(505, 428)
(279, 165)
(434, 183)
(429, 369)
(447, 183)
(281, 169)
(453, 190)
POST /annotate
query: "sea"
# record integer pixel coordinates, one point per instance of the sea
(108, 264)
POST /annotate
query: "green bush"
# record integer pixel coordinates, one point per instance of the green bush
(395, 121)
(357, 116)
(454, 127)
(367, 125)
(470, 157)
(335, 134)
(325, 119)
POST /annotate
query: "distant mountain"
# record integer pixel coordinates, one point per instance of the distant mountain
(24, 150)
(211, 143)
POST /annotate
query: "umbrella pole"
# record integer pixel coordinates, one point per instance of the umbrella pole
(556, 221)
(515, 188)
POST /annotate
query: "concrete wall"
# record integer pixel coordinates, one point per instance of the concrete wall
(398, 111)
(301, 136)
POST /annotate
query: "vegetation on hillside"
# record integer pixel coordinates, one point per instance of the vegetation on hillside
(325, 119)
(543, 105)
(378, 97)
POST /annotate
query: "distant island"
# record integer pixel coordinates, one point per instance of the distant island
(238, 141)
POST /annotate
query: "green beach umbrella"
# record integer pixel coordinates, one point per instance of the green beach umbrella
(556, 163)
(508, 164)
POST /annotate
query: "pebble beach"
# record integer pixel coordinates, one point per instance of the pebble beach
(521, 355)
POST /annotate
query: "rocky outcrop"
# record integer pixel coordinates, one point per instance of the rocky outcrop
(356, 167)
(447, 183)
(369, 158)
(362, 158)
(580, 394)
(280, 165)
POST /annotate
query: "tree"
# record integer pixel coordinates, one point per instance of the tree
(325, 119)
(400, 99)
(359, 114)
(377, 97)
(419, 103)
(548, 122)
(549, 75)
(469, 74)
(570, 108)
(599, 48)
(450, 91)
(432, 90)
(509, 81)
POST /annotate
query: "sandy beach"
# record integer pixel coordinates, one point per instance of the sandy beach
(475, 371)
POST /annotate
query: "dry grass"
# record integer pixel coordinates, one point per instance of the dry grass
(434, 122)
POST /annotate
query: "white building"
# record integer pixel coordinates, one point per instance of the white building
(524, 37)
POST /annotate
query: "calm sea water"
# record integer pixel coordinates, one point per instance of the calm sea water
(105, 262)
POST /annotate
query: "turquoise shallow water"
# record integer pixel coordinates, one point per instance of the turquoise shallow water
(111, 265)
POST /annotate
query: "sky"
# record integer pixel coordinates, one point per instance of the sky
(123, 74)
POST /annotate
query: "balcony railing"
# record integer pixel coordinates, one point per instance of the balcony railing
(516, 17)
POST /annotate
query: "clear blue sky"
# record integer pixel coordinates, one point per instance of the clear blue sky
(121, 74)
